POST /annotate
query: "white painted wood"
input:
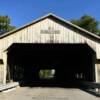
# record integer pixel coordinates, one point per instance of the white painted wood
(32, 34)
(4, 67)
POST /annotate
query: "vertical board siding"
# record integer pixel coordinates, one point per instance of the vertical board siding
(32, 34)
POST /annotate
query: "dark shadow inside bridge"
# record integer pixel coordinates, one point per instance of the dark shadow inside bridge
(69, 64)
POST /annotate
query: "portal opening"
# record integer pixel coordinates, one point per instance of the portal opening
(63, 63)
(47, 74)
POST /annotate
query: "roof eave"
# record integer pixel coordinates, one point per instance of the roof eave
(58, 18)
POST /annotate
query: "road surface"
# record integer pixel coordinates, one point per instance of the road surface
(46, 93)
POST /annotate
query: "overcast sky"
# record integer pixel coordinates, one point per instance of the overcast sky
(24, 11)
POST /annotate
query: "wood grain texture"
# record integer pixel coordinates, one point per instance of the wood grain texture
(32, 34)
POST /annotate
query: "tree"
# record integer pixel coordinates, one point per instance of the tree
(5, 24)
(89, 23)
(47, 74)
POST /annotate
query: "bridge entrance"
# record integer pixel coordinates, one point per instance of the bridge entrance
(59, 63)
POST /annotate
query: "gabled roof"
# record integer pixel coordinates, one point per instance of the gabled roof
(50, 15)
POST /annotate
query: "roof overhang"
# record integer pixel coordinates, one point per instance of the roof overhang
(66, 23)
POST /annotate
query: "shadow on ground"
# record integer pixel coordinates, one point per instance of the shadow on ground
(61, 85)
(91, 91)
(49, 84)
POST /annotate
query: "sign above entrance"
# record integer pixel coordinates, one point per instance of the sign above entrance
(50, 30)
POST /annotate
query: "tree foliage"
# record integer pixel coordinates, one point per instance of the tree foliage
(89, 23)
(46, 74)
(5, 26)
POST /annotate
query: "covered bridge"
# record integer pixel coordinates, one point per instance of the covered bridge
(50, 43)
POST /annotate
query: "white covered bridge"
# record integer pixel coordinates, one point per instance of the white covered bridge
(50, 43)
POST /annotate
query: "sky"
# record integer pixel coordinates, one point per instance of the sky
(24, 11)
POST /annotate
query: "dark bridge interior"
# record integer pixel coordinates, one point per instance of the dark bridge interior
(71, 63)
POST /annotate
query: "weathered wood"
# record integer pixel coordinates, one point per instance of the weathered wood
(33, 34)
(4, 67)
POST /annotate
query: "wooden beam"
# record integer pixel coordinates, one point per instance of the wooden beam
(5, 67)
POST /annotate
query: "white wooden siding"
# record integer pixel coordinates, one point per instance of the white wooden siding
(32, 34)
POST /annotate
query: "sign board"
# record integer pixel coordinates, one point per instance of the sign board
(50, 31)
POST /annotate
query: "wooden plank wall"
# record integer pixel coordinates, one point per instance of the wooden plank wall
(32, 34)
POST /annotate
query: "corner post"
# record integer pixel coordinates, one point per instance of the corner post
(96, 73)
(5, 67)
